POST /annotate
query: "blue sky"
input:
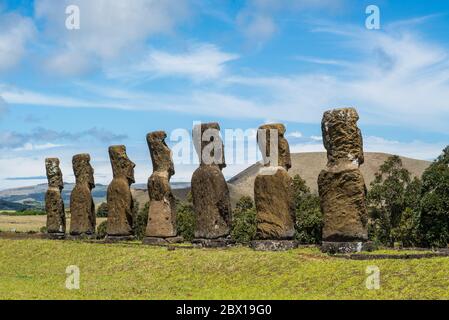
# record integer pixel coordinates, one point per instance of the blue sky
(139, 66)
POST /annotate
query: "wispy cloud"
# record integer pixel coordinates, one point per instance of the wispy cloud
(200, 62)
(15, 32)
(42, 139)
(108, 29)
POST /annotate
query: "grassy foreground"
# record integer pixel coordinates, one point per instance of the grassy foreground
(35, 269)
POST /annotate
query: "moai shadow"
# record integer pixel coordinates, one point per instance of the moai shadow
(161, 226)
(341, 185)
(273, 192)
(54, 205)
(210, 193)
(119, 198)
(82, 207)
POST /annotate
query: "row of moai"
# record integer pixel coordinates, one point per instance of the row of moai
(341, 188)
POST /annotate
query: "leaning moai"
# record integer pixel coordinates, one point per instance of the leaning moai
(54, 205)
(273, 191)
(210, 193)
(82, 207)
(341, 185)
(161, 225)
(119, 198)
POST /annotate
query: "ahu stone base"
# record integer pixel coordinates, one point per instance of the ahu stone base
(119, 238)
(55, 236)
(273, 245)
(155, 241)
(346, 247)
(81, 236)
(213, 243)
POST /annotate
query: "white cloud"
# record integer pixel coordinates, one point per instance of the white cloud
(295, 134)
(30, 146)
(316, 138)
(15, 32)
(201, 62)
(107, 28)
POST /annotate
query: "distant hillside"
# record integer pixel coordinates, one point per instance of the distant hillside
(307, 165)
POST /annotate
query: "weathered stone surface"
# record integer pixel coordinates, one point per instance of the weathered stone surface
(343, 205)
(273, 193)
(119, 198)
(54, 205)
(341, 185)
(162, 209)
(341, 136)
(346, 247)
(273, 245)
(274, 205)
(211, 200)
(82, 208)
(208, 144)
(266, 140)
(213, 243)
(155, 241)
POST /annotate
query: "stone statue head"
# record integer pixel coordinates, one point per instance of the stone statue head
(341, 136)
(208, 144)
(54, 174)
(161, 155)
(272, 135)
(122, 167)
(84, 173)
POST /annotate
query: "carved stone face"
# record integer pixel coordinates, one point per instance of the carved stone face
(161, 155)
(84, 173)
(266, 140)
(208, 144)
(122, 167)
(54, 174)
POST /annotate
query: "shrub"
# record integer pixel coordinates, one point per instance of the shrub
(140, 220)
(244, 221)
(185, 220)
(43, 229)
(393, 204)
(101, 230)
(434, 205)
(309, 219)
(102, 210)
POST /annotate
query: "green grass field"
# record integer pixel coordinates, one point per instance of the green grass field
(35, 269)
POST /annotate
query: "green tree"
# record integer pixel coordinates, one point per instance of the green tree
(185, 219)
(102, 210)
(393, 204)
(309, 219)
(434, 206)
(140, 219)
(244, 221)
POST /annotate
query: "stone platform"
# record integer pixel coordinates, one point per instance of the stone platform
(346, 247)
(273, 245)
(213, 243)
(118, 238)
(154, 241)
(55, 236)
(81, 237)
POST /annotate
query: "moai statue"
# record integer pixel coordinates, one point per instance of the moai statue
(341, 185)
(54, 205)
(210, 192)
(119, 198)
(82, 208)
(273, 192)
(161, 226)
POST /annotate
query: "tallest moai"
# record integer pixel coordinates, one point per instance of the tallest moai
(341, 185)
